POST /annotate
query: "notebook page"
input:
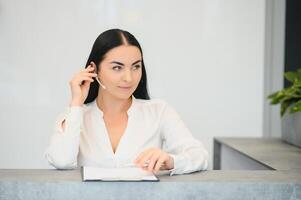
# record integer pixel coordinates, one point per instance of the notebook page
(124, 173)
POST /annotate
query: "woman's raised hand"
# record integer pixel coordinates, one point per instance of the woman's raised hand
(80, 84)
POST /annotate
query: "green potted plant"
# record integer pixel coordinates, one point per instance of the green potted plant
(290, 107)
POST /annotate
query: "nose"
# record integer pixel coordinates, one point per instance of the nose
(127, 77)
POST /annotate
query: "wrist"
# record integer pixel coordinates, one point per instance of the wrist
(75, 103)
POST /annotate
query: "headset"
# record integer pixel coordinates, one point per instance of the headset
(104, 87)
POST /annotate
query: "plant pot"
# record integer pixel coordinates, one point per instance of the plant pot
(291, 128)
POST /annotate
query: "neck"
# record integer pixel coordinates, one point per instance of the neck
(112, 105)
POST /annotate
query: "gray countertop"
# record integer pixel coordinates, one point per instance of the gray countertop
(38, 184)
(272, 152)
(283, 183)
(50, 175)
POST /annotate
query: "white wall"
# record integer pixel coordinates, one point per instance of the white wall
(274, 64)
(204, 57)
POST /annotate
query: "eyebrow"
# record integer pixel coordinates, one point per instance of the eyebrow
(119, 63)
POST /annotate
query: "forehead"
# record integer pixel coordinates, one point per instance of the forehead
(124, 53)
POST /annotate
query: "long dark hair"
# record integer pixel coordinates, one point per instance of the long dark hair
(105, 42)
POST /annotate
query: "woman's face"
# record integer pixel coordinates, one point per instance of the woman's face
(120, 71)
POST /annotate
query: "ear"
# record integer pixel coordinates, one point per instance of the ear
(94, 65)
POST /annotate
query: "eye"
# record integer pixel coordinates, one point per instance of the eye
(117, 68)
(137, 67)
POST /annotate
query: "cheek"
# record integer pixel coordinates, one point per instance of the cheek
(138, 76)
(109, 76)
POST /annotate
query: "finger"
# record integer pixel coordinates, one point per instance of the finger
(146, 158)
(86, 84)
(141, 155)
(85, 75)
(141, 163)
(81, 79)
(85, 78)
(159, 163)
(89, 74)
(88, 69)
(153, 160)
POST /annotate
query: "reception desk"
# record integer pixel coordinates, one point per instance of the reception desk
(38, 184)
(255, 154)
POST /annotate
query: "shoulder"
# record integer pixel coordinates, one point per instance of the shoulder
(88, 107)
(155, 106)
(158, 110)
(151, 103)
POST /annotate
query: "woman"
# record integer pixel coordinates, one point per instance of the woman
(117, 124)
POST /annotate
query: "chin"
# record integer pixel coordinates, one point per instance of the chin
(122, 96)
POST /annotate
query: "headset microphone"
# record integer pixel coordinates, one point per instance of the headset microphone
(104, 87)
(93, 64)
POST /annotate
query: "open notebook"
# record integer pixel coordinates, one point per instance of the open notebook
(117, 174)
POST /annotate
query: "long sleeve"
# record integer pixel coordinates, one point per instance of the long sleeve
(188, 153)
(63, 148)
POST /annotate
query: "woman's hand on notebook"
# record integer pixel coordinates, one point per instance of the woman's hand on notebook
(156, 160)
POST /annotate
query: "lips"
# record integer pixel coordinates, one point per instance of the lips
(124, 87)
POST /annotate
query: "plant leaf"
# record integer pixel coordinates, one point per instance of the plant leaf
(273, 95)
(296, 107)
(284, 106)
(299, 72)
(291, 76)
(278, 97)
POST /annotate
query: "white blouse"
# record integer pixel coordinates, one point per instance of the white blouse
(151, 123)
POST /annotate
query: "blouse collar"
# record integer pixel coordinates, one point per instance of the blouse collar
(129, 111)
